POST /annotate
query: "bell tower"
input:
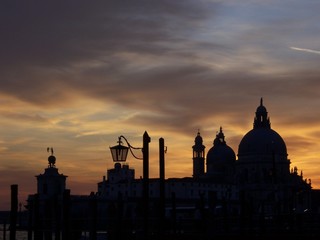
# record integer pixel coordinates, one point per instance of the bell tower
(198, 156)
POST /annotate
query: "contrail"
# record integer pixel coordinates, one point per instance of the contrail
(305, 50)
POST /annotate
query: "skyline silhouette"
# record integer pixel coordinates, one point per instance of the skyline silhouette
(260, 194)
(255, 139)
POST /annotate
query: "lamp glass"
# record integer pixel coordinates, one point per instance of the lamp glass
(119, 153)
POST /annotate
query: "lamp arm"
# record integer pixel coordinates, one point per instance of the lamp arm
(131, 147)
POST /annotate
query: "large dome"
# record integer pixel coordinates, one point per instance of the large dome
(262, 140)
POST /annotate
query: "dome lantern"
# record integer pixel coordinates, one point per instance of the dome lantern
(219, 140)
(261, 119)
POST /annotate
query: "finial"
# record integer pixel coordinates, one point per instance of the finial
(51, 158)
(50, 149)
(261, 101)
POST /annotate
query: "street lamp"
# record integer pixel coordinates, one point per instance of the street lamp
(119, 154)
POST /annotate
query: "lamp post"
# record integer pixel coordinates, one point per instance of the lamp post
(119, 154)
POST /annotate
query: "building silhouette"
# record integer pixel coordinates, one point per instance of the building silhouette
(257, 194)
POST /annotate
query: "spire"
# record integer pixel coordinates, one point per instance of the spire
(261, 119)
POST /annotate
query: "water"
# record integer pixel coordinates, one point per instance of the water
(20, 235)
(23, 235)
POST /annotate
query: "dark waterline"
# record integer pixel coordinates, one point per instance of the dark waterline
(20, 235)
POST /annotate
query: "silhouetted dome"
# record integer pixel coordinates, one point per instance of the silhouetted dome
(220, 155)
(262, 140)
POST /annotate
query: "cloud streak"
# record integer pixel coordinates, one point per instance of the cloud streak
(305, 50)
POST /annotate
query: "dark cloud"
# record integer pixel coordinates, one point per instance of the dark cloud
(53, 51)
(59, 33)
(46, 46)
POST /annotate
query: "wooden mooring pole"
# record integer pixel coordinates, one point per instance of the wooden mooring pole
(4, 230)
(14, 211)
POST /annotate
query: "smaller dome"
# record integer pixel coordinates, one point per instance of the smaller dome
(220, 153)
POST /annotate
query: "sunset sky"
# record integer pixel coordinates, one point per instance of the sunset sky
(75, 75)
